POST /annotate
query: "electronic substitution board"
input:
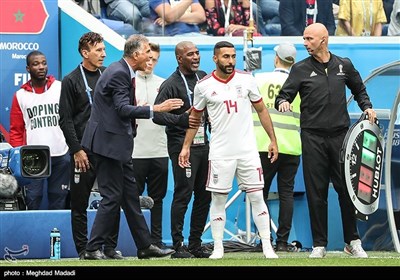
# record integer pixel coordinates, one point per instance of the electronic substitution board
(362, 163)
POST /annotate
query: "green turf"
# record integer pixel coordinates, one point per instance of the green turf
(295, 259)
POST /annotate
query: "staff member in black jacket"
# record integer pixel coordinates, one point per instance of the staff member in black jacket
(321, 80)
(77, 90)
(190, 180)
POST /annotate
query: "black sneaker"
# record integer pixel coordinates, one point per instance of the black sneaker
(201, 252)
(182, 252)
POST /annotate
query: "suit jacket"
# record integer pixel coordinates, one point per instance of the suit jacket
(109, 131)
(292, 14)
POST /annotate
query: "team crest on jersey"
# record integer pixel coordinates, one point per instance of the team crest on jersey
(239, 91)
(215, 178)
(188, 172)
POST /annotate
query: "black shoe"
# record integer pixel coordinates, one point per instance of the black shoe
(160, 245)
(281, 247)
(201, 252)
(112, 254)
(95, 255)
(182, 252)
(154, 252)
(82, 255)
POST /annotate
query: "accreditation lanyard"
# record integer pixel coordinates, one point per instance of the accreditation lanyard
(227, 12)
(281, 70)
(365, 17)
(188, 91)
(88, 89)
(313, 12)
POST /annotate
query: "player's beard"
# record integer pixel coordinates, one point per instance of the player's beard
(224, 69)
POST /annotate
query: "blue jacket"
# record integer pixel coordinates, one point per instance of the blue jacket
(109, 131)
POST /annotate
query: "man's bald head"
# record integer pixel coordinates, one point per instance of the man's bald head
(182, 46)
(188, 57)
(317, 30)
(316, 41)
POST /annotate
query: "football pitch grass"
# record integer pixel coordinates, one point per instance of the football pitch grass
(236, 259)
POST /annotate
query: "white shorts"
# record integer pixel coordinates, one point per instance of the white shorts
(248, 172)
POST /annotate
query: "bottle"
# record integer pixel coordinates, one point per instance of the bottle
(55, 244)
(77, 176)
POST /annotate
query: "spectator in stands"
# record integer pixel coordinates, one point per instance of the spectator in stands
(134, 12)
(360, 18)
(296, 15)
(177, 17)
(34, 120)
(394, 25)
(388, 7)
(227, 17)
(150, 154)
(268, 23)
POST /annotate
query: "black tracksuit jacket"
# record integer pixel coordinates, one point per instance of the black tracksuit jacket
(323, 93)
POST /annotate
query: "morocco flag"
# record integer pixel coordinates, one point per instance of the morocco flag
(22, 16)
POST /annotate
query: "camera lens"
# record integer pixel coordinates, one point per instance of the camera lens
(34, 162)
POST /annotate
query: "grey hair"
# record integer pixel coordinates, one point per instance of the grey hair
(134, 43)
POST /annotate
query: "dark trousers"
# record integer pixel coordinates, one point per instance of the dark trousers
(321, 165)
(185, 185)
(57, 186)
(285, 168)
(153, 172)
(79, 195)
(118, 188)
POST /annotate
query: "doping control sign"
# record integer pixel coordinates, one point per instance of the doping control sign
(362, 163)
(25, 26)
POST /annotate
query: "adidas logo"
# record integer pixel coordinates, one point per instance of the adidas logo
(263, 213)
(313, 74)
(213, 93)
(219, 219)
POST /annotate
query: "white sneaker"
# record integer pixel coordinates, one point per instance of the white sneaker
(269, 252)
(355, 249)
(217, 254)
(318, 252)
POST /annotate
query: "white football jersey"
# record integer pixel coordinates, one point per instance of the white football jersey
(229, 105)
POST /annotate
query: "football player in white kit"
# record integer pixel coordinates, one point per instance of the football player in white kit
(229, 96)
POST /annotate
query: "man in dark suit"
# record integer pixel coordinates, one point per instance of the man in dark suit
(109, 135)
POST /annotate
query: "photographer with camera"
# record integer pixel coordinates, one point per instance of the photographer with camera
(34, 120)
